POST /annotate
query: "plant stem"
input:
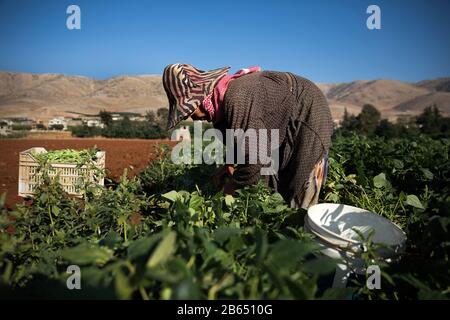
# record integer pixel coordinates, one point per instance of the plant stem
(51, 221)
(31, 237)
(246, 207)
(143, 293)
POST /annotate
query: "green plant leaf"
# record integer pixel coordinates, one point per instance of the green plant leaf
(163, 251)
(44, 197)
(187, 290)
(229, 200)
(141, 247)
(222, 234)
(427, 173)
(286, 253)
(56, 210)
(413, 201)
(112, 239)
(171, 195)
(196, 202)
(380, 181)
(321, 265)
(124, 290)
(398, 164)
(261, 245)
(85, 254)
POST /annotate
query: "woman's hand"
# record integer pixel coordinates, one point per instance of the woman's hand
(230, 169)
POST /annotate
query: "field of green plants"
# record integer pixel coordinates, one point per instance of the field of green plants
(170, 233)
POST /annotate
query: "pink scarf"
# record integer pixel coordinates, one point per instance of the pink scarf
(212, 106)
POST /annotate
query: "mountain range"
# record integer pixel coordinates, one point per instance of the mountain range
(45, 96)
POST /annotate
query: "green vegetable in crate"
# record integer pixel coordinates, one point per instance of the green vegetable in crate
(79, 157)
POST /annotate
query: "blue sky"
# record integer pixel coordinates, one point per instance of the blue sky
(324, 40)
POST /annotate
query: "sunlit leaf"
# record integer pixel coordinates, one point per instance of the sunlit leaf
(413, 201)
(164, 250)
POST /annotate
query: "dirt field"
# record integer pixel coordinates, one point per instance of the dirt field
(120, 154)
(44, 135)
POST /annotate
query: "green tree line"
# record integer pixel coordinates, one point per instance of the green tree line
(154, 127)
(368, 122)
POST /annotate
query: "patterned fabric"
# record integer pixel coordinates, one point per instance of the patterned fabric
(214, 99)
(299, 110)
(314, 184)
(186, 88)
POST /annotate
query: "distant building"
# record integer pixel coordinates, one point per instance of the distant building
(93, 122)
(12, 123)
(337, 123)
(18, 121)
(137, 118)
(58, 122)
(74, 122)
(116, 117)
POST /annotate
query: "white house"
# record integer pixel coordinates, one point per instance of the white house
(94, 123)
(137, 118)
(73, 122)
(116, 117)
(58, 121)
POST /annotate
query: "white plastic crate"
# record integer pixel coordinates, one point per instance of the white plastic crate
(69, 174)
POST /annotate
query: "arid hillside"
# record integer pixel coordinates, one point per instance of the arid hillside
(44, 96)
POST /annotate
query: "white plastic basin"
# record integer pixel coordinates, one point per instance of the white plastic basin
(337, 224)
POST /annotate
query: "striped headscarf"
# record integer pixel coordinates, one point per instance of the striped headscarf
(186, 88)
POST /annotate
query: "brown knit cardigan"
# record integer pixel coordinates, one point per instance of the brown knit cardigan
(295, 106)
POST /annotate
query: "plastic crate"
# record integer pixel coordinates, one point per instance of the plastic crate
(69, 174)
